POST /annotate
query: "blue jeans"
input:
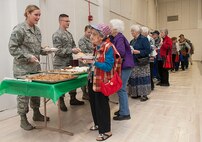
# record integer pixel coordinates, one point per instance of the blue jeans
(123, 95)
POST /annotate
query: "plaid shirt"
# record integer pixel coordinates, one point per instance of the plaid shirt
(101, 75)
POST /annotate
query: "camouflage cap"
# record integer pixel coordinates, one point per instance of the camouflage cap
(155, 32)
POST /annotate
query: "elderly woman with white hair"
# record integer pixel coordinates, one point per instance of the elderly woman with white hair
(145, 32)
(123, 47)
(139, 82)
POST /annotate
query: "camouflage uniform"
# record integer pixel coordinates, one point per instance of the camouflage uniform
(25, 42)
(85, 45)
(63, 40)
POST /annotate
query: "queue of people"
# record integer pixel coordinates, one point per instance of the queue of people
(182, 51)
(142, 59)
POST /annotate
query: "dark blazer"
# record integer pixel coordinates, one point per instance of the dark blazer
(142, 44)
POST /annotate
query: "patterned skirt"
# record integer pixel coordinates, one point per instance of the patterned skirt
(140, 82)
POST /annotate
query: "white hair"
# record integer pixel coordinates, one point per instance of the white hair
(164, 30)
(117, 24)
(136, 28)
(145, 30)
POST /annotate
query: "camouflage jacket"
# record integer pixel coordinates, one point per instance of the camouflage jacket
(63, 40)
(85, 45)
(24, 43)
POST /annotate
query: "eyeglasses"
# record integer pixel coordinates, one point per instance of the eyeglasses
(65, 20)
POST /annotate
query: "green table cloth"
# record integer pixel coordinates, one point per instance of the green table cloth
(51, 91)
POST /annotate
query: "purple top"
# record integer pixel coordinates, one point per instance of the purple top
(123, 47)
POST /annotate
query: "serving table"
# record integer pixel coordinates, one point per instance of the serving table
(51, 91)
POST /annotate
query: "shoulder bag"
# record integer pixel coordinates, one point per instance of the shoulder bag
(115, 83)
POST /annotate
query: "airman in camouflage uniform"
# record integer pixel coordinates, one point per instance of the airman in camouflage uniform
(25, 47)
(86, 47)
(63, 40)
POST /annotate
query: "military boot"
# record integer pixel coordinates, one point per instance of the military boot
(25, 124)
(37, 116)
(62, 104)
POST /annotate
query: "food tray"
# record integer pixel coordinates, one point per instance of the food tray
(87, 57)
(49, 77)
(64, 72)
(72, 71)
(76, 70)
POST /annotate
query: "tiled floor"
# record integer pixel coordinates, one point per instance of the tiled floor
(172, 114)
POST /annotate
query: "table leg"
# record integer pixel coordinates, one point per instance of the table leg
(59, 115)
(45, 114)
(59, 121)
(59, 129)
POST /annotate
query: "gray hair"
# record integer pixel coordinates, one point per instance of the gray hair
(145, 30)
(165, 31)
(117, 24)
(136, 28)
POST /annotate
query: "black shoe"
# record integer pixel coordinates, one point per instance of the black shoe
(144, 98)
(165, 84)
(122, 117)
(116, 113)
(135, 97)
(76, 102)
(63, 107)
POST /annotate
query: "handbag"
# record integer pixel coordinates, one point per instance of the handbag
(177, 58)
(112, 86)
(115, 83)
(167, 64)
(142, 61)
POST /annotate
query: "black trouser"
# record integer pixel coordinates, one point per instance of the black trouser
(164, 74)
(185, 62)
(160, 66)
(72, 95)
(100, 109)
(151, 74)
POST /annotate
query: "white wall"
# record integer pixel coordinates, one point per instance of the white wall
(141, 12)
(78, 14)
(189, 23)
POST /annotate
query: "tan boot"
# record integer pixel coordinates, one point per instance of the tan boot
(25, 124)
(62, 104)
(37, 116)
